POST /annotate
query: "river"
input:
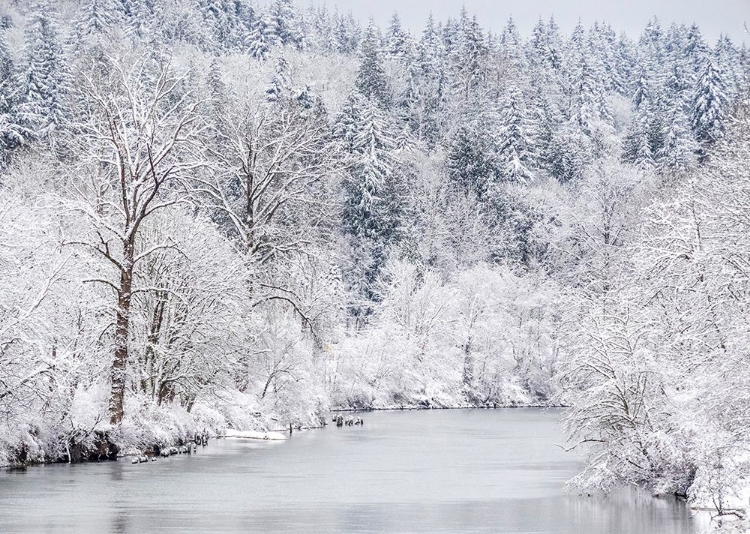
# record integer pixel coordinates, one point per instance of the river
(421, 471)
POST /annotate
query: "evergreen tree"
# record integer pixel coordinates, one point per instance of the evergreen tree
(696, 52)
(570, 153)
(545, 46)
(624, 65)
(347, 34)
(283, 22)
(372, 205)
(679, 149)
(261, 38)
(575, 51)
(677, 143)
(591, 107)
(11, 134)
(370, 209)
(510, 47)
(516, 155)
(602, 43)
(139, 17)
(371, 80)
(222, 24)
(348, 122)
(638, 146)
(643, 91)
(280, 86)
(40, 107)
(470, 163)
(469, 56)
(397, 40)
(728, 62)
(430, 53)
(744, 73)
(545, 119)
(709, 106)
(427, 80)
(538, 46)
(98, 16)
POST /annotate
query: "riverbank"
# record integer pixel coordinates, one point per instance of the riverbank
(148, 427)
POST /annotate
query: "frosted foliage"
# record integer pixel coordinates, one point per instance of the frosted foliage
(225, 214)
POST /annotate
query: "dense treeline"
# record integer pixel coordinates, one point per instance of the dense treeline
(211, 210)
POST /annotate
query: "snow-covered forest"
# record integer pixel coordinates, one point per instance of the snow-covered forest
(234, 214)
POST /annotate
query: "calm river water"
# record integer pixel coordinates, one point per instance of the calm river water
(427, 471)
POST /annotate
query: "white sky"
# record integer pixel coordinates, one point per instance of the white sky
(713, 16)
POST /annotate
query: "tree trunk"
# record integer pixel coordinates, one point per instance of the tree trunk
(122, 332)
(468, 374)
(249, 203)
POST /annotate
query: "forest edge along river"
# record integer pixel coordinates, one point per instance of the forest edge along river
(412, 471)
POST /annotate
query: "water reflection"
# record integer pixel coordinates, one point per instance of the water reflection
(443, 471)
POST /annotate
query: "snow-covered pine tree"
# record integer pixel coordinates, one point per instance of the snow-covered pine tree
(696, 52)
(678, 146)
(219, 24)
(279, 87)
(545, 119)
(261, 38)
(346, 36)
(638, 148)
(371, 80)
(709, 106)
(575, 52)
(97, 17)
(370, 208)
(510, 47)
(469, 56)
(515, 141)
(590, 104)
(283, 23)
(430, 52)
(397, 44)
(570, 153)
(139, 17)
(744, 73)
(624, 65)
(372, 201)
(11, 134)
(426, 86)
(538, 47)
(348, 121)
(40, 105)
(470, 162)
(728, 61)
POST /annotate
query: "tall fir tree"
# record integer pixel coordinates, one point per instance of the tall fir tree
(397, 45)
(370, 208)
(515, 141)
(11, 133)
(709, 106)
(97, 17)
(279, 88)
(284, 23)
(372, 196)
(139, 18)
(470, 161)
(41, 108)
(371, 80)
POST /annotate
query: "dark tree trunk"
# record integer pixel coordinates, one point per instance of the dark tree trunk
(122, 332)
